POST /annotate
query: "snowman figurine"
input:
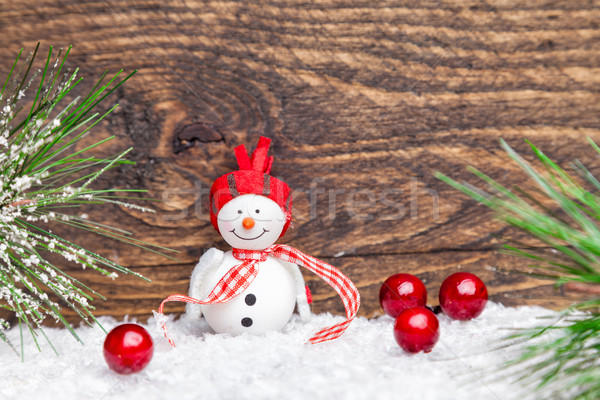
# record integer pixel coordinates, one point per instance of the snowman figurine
(256, 286)
(250, 222)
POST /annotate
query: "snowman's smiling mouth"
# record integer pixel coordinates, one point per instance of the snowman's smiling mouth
(243, 238)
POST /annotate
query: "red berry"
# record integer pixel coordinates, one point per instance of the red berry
(463, 296)
(417, 329)
(128, 348)
(401, 291)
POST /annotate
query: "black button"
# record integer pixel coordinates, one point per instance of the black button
(247, 322)
(250, 299)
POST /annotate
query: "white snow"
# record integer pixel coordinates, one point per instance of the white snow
(365, 363)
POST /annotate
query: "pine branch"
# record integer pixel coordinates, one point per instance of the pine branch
(564, 216)
(41, 171)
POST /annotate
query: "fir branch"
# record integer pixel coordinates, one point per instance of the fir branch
(564, 216)
(41, 170)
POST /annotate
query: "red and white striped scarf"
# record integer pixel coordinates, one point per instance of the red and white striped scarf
(238, 278)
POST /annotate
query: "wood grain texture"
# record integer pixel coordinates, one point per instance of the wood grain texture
(363, 100)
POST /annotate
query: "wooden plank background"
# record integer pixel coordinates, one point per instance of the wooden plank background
(363, 100)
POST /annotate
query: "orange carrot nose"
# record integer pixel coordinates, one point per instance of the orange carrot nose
(248, 223)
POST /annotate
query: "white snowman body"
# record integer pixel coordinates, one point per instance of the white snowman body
(250, 222)
(267, 304)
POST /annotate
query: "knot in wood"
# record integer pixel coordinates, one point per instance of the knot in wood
(190, 134)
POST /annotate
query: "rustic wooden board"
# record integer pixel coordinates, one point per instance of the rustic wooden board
(363, 100)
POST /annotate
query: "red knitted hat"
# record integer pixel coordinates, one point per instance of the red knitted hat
(252, 178)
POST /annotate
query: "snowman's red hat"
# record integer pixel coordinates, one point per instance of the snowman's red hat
(252, 178)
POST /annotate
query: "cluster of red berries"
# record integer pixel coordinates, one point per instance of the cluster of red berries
(403, 296)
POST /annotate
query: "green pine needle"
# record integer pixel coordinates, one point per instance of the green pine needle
(41, 172)
(562, 211)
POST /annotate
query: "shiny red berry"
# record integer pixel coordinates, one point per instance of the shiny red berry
(401, 291)
(417, 329)
(128, 348)
(463, 296)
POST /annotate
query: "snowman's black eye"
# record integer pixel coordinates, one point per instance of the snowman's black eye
(257, 211)
(239, 211)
